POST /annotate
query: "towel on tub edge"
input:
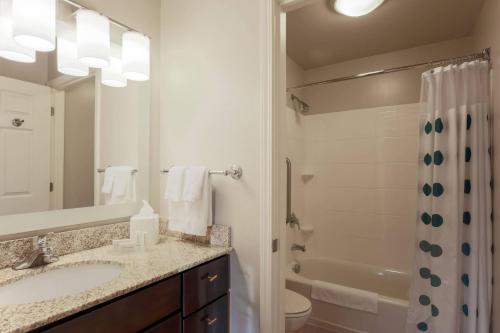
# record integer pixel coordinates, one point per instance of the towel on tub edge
(345, 296)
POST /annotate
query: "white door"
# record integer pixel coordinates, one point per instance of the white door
(24, 147)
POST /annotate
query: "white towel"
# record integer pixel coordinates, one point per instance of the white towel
(119, 185)
(345, 296)
(192, 217)
(175, 184)
(193, 183)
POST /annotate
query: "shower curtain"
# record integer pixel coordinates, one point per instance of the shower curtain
(452, 281)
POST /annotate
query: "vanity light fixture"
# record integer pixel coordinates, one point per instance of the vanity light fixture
(112, 76)
(67, 58)
(34, 24)
(93, 38)
(355, 8)
(9, 48)
(135, 56)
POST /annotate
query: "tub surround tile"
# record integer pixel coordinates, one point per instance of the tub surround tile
(165, 259)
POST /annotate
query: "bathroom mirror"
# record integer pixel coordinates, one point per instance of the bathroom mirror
(60, 132)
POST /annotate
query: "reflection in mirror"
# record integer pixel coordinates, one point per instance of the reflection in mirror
(69, 141)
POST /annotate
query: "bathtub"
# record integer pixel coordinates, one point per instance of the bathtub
(392, 287)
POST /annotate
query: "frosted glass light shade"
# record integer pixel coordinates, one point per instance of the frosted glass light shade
(92, 38)
(135, 56)
(67, 59)
(10, 49)
(112, 76)
(356, 8)
(34, 23)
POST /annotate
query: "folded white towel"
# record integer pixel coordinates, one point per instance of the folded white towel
(119, 185)
(192, 217)
(175, 183)
(193, 183)
(345, 296)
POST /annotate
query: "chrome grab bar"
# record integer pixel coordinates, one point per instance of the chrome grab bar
(290, 217)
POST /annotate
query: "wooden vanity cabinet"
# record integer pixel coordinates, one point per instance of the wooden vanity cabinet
(190, 302)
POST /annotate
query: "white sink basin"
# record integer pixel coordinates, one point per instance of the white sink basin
(59, 282)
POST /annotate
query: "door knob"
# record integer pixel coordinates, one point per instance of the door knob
(17, 122)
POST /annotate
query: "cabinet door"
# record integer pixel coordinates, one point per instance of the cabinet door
(170, 325)
(205, 283)
(129, 314)
(213, 318)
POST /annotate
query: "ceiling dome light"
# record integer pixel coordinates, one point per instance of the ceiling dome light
(355, 8)
(9, 48)
(93, 39)
(34, 23)
(135, 56)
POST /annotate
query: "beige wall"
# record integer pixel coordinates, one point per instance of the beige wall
(36, 72)
(211, 115)
(487, 34)
(390, 89)
(79, 145)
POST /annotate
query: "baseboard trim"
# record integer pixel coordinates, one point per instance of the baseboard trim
(334, 328)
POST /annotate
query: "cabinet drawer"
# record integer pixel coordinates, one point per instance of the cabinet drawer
(213, 318)
(170, 325)
(203, 284)
(131, 313)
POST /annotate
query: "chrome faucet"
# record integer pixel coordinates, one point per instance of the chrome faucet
(41, 255)
(297, 247)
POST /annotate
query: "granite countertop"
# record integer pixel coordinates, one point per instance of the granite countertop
(169, 257)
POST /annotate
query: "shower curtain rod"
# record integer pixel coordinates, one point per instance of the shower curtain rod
(484, 55)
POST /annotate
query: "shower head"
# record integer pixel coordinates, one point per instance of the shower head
(299, 105)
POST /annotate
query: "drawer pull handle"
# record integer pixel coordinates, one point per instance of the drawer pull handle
(210, 322)
(212, 278)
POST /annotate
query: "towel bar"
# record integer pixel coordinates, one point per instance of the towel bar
(234, 171)
(102, 170)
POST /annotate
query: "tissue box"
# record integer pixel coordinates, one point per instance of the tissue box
(149, 226)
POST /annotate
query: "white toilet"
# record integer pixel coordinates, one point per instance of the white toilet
(297, 311)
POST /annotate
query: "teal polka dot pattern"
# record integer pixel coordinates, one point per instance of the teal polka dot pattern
(425, 273)
(466, 249)
(469, 122)
(426, 218)
(428, 127)
(465, 279)
(437, 189)
(422, 327)
(427, 159)
(467, 186)
(427, 189)
(438, 125)
(425, 246)
(436, 251)
(434, 310)
(435, 281)
(466, 218)
(468, 154)
(438, 158)
(465, 309)
(424, 300)
(437, 220)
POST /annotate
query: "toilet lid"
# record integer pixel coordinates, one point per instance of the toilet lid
(295, 303)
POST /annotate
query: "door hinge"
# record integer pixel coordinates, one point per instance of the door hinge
(275, 245)
(51, 187)
(52, 111)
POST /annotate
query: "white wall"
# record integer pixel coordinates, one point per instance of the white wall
(211, 115)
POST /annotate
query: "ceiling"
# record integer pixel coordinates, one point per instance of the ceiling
(318, 36)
